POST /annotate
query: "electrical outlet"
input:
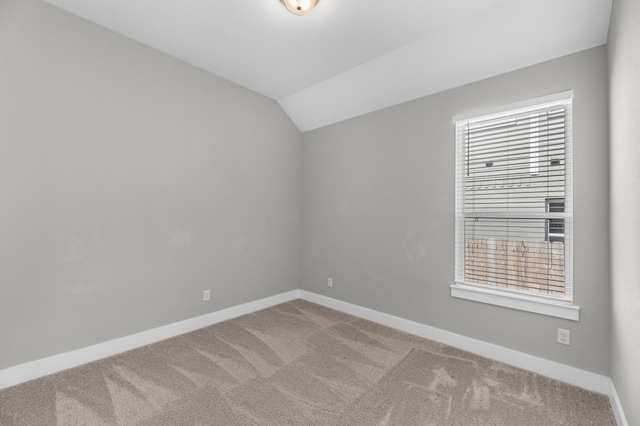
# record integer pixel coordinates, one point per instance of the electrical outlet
(330, 282)
(564, 337)
(206, 295)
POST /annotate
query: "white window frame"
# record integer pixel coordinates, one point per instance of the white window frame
(561, 307)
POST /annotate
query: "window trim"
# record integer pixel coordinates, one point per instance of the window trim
(512, 298)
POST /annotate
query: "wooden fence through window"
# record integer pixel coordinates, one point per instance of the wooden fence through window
(536, 266)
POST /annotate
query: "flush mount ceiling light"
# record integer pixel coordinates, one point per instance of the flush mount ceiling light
(299, 7)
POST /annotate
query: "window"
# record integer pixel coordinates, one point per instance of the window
(514, 207)
(555, 227)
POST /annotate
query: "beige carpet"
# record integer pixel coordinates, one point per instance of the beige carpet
(299, 364)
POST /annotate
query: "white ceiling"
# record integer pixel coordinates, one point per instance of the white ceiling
(349, 57)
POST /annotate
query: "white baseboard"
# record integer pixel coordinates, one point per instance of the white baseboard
(595, 382)
(616, 405)
(43, 367)
(574, 376)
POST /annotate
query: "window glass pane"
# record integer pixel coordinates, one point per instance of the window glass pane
(514, 253)
(514, 164)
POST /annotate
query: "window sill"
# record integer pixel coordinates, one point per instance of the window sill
(522, 302)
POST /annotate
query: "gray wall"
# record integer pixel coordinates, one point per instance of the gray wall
(378, 212)
(624, 73)
(129, 183)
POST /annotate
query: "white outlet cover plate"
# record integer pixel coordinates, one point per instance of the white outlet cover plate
(564, 336)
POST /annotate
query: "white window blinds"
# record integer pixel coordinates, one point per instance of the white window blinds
(514, 200)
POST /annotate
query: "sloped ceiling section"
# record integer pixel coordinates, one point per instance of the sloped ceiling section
(350, 57)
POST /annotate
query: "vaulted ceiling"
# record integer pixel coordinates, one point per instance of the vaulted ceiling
(350, 57)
